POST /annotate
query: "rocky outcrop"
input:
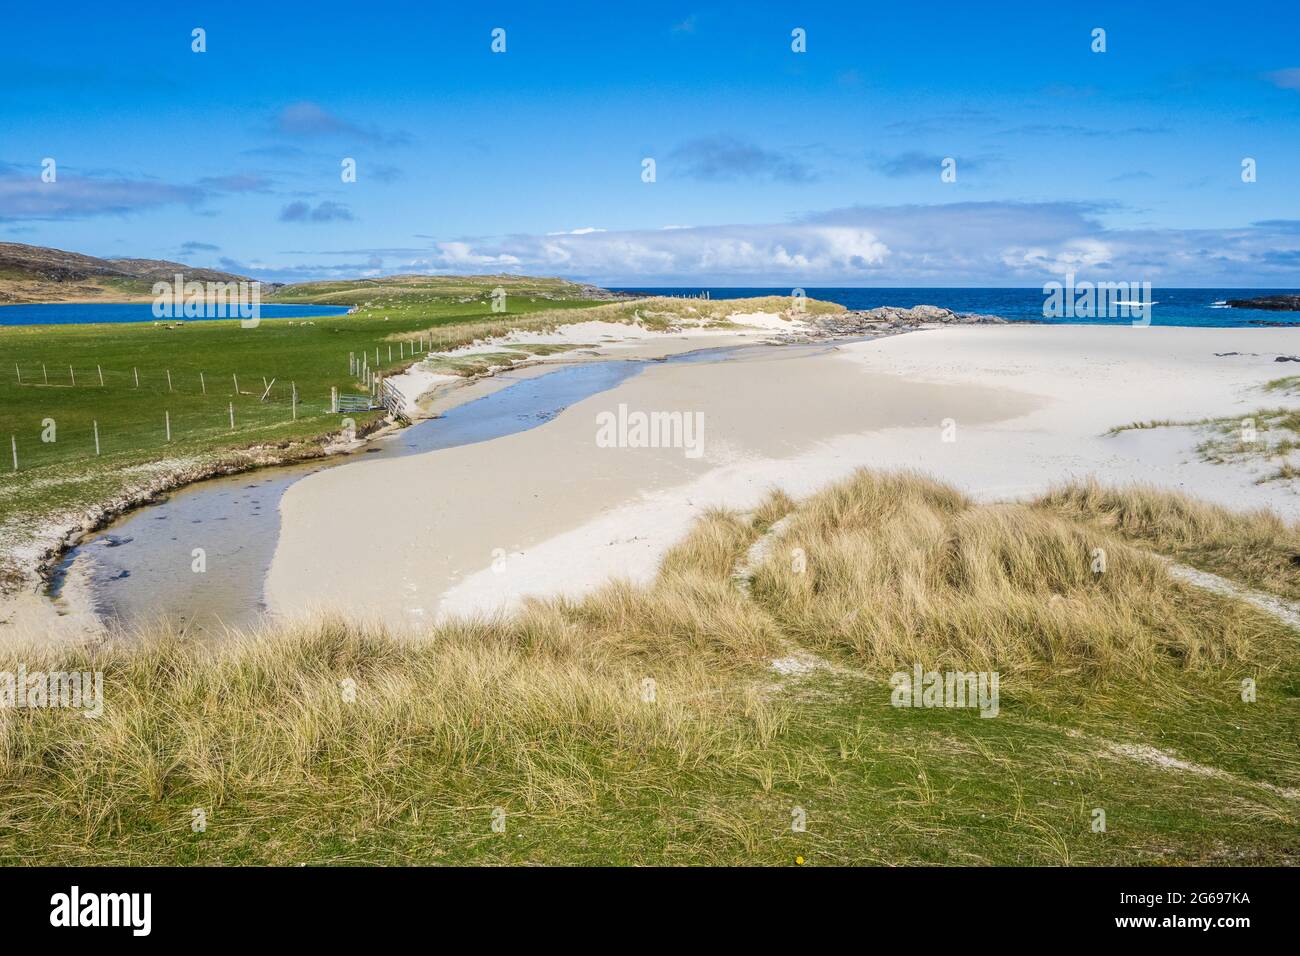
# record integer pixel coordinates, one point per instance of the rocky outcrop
(1273, 303)
(893, 318)
(595, 292)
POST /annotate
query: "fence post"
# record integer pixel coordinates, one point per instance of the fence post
(334, 399)
(169, 380)
(96, 424)
(232, 416)
(72, 375)
(45, 374)
(236, 378)
(20, 373)
(14, 442)
(202, 384)
(101, 376)
(293, 391)
(136, 373)
(167, 417)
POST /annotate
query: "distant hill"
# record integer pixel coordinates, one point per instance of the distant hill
(362, 292)
(155, 269)
(37, 274)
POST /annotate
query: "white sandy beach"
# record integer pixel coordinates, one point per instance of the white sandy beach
(476, 528)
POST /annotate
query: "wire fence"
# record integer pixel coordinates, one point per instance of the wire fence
(231, 403)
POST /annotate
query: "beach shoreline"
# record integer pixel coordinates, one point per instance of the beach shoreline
(24, 607)
(1029, 407)
(657, 504)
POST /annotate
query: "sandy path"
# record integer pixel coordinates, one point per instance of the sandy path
(475, 528)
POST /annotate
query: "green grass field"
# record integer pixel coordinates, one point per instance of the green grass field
(53, 426)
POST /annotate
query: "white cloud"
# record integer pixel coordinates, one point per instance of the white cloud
(459, 255)
(1075, 255)
(992, 243)
(803, 249)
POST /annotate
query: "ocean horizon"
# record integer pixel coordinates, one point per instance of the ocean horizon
(1199, 308)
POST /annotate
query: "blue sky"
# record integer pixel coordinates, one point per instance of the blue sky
(772, 167)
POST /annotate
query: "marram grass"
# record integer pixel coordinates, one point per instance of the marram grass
(645, 724)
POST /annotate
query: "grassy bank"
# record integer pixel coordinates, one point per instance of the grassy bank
(646, 724)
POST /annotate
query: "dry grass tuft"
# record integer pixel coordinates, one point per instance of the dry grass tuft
(532, 710)
(1256, 547)
(897, 569)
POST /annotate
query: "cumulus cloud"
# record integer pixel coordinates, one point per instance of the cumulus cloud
(459, 255)
(973, 243)
(751, 251)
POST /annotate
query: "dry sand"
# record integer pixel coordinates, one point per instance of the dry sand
(474, 529)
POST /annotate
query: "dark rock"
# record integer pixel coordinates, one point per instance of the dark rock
(892, 318)
(1273, 303)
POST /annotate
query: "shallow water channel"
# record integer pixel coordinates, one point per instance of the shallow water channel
(141, 567)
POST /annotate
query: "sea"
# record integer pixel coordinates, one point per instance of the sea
(1185, 307)
(76, 313)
